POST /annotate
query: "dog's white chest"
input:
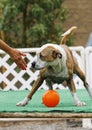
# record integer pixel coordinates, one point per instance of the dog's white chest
(58, 77)
(63, 73)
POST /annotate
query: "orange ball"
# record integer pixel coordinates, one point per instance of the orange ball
(50, 98)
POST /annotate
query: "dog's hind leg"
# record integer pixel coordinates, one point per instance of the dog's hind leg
(80, 73)
(72, 88)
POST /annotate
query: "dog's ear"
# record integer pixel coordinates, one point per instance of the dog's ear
(56, 54)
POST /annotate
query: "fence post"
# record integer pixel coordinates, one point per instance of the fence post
(88, 64)
(86, 123)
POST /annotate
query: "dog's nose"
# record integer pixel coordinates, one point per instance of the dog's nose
(33, 64)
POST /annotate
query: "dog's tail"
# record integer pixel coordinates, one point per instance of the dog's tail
(66, 35)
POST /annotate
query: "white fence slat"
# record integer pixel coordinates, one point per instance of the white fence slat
(88, 62)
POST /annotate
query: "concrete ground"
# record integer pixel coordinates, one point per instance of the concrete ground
(42, 124)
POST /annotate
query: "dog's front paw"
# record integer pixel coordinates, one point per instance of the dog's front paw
(23, 102)
(80, 104)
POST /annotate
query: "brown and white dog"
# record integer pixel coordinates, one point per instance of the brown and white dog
(57, 64)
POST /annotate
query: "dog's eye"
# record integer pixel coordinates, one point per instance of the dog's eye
(60, 56)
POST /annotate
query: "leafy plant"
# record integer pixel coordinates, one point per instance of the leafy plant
(32, 23)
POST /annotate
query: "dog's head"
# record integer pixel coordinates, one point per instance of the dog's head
(48, 55)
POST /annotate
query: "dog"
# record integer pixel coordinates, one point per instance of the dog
(57, 64)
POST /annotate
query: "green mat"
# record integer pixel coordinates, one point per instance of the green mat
(9, 99)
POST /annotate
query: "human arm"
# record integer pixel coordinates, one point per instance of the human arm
(15, 54)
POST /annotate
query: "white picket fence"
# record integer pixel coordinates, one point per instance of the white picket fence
(13, 78)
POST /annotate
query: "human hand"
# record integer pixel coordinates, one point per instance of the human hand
(16, 55)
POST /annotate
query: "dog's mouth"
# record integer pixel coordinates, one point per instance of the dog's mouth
(36, 67)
